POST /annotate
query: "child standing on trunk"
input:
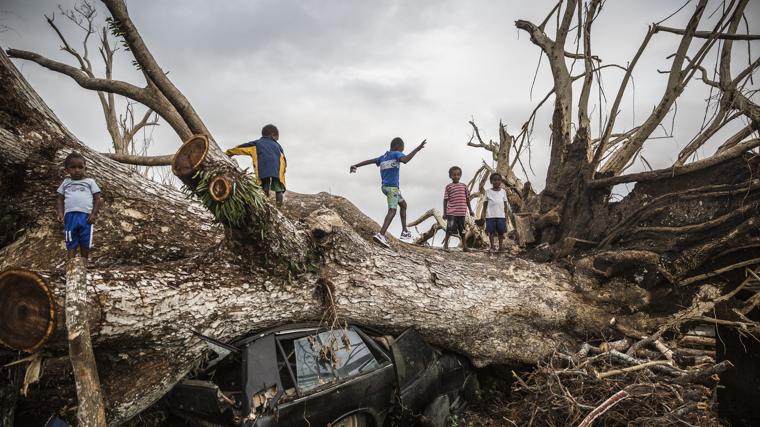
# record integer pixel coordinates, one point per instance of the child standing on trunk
(77, 206)
(268, 160)
(456, 203)
(390, 164)
(495, 212)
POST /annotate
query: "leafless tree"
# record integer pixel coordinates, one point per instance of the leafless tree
(583, 167)
(123, 128)
(163, 271)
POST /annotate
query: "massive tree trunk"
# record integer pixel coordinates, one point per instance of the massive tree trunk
(160, 271)
(165, 267)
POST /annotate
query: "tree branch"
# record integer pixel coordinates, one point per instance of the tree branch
(717, 124)
(481, 144)
(549, 16)
(735, 139)
(583, 119)
(728, 154)
(537, 35)
(675, 85)
(708, 34)
(604, 140)
(150, 66)
(129, 134)
(67, 48)
(132, 159)
(564, 26)
(128, 90)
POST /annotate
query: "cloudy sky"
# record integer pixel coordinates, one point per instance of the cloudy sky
(341, 78)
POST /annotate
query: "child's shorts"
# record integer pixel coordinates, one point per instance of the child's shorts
(455, 225)
(393, 195)
(273, 184)
(496, 226)
(77, 232)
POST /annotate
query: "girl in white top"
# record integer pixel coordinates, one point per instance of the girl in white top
(494, 212)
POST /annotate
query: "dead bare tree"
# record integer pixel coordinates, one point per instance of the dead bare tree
(122, 127)
(162, 271)
(582, 168)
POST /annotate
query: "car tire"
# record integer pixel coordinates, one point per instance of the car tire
(355, 420)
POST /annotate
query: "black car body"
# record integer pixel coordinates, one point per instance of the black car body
(304, 375)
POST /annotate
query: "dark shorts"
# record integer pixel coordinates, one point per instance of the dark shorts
(455, 225)
(496, 226)
(77, 232)
(273, 184)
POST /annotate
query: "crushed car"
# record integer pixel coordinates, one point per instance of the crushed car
(307, 375)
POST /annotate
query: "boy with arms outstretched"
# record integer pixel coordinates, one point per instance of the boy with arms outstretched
(77, 205)
(456, 204)
(495, 210)
(389, 164)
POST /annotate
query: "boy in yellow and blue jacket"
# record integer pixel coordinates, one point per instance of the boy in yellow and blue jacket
(269, 161)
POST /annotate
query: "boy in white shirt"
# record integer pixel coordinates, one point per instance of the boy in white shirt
(77, 206)
(494, 212)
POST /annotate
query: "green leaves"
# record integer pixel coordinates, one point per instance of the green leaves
(246, 197)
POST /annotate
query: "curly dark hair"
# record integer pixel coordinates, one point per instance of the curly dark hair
(454, 168)
(270, 130)
(71, 156)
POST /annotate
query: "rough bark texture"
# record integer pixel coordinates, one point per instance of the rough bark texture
(90, 407)
(9, 388)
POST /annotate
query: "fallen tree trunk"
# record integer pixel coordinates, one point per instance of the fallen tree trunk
(507, 310)
(163, 271)
(144, 317)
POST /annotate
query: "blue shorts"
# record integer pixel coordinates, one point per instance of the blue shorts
(77, 232)
(496, 226)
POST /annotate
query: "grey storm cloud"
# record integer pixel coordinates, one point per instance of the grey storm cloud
(341, 78)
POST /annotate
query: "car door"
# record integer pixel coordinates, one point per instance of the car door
(417, 370)
(352, 381)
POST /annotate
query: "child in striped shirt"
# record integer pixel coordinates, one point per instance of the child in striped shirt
(456, 203)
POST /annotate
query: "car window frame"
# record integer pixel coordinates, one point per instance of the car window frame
(366, 340)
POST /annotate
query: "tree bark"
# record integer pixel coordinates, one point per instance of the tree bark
(10, 384)
(90, 407)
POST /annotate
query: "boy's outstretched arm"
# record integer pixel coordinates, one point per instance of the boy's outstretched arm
(360, 164)
(239, 149)
(59, 206)
(409, 156)
(95, 208)
(483, 214)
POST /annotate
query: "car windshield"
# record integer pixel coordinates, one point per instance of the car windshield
(331, 356)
